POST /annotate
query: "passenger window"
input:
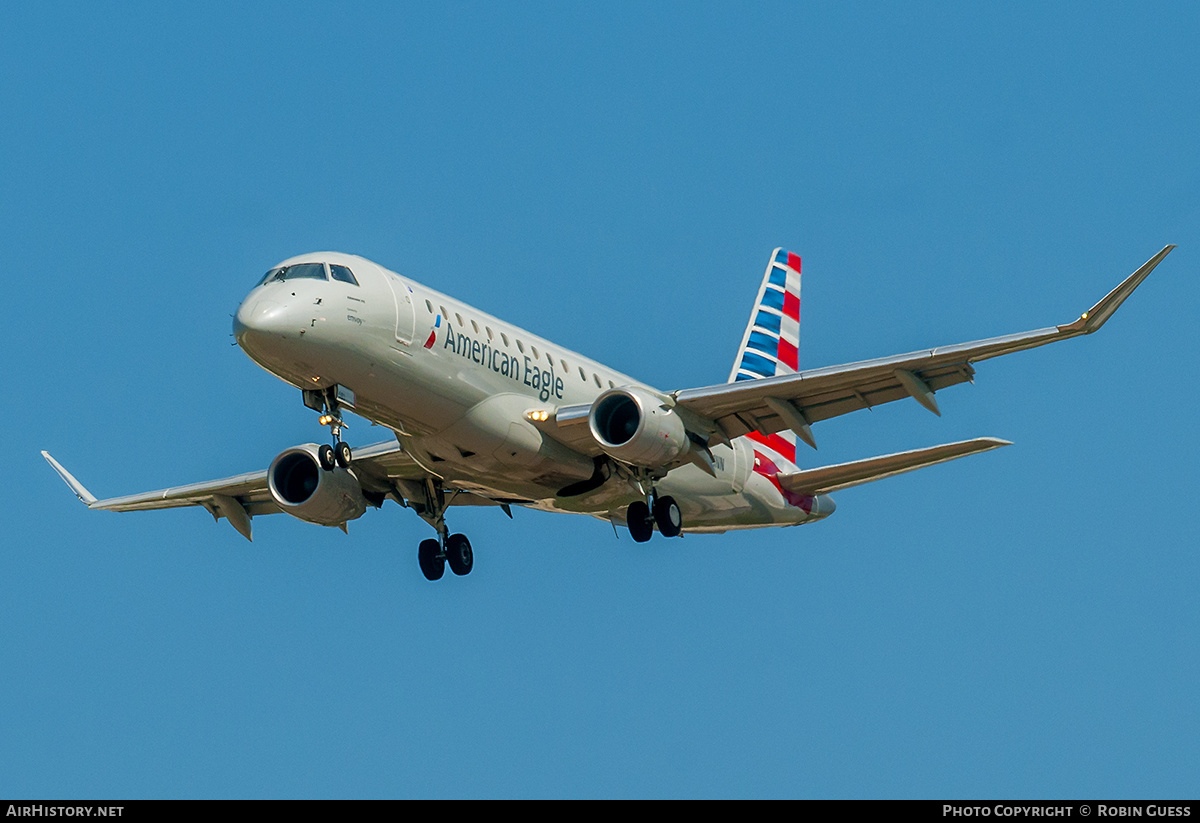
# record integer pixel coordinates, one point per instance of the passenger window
(566, 368)
(521, 346)
(489, 333)
(504, 337)
(342, 273)
(535, 352)
(596, 377)
(475, 326)
(582, 376)
(458, 317)
(429, 307)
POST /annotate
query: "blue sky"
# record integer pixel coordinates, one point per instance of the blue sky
(613, 177)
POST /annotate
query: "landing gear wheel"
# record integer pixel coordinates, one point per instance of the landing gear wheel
(341, 453)
(325, 457)
(432, 565)
(641, 527)
(668, 517)
(458, 554)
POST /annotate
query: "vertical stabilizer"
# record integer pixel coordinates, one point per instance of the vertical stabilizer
(771, 343)
(770, 346)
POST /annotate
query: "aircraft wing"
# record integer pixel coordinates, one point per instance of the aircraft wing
(243, 496)
(796, 401)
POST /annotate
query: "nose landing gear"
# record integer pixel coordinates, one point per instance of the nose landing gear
(339, 453)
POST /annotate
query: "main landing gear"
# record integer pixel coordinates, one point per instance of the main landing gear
(664, 513)
(434, 559)
(453, 550)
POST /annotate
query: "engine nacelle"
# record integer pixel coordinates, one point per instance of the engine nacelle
(635, 427)
(304, 490)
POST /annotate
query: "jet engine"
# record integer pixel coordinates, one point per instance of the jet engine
(304, 490)
(635, 427)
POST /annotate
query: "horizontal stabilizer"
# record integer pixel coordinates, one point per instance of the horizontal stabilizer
(844, 475)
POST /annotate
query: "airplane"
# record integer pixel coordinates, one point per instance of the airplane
(488, 414)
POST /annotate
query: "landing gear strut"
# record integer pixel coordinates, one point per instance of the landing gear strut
(339, 453)
(453, 550)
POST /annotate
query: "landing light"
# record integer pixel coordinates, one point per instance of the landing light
(538, 415)
(325, 419)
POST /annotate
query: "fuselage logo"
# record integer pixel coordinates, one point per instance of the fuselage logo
(522, 370)
(437, 324)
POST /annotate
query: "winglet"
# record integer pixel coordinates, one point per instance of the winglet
(1095, 317)
(77, 487)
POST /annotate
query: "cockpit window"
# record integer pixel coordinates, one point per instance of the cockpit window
(342, 273)
(269, 276)
(311, 271)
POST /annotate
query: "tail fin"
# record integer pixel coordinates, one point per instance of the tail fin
(770, 346)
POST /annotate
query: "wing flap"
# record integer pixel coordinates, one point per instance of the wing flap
(829, 479)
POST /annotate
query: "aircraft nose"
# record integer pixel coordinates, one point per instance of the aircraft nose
(257, 318)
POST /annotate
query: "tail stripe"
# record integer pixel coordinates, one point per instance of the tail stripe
(786, 258)
(755, 366)
(770, 346)
(772, 299)
(776, 446)
(767, 321)
(762, 342)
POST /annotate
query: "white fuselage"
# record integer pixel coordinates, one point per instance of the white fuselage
(456, 384)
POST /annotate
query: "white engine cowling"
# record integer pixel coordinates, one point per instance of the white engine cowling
(635, 427)
(304, 490)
